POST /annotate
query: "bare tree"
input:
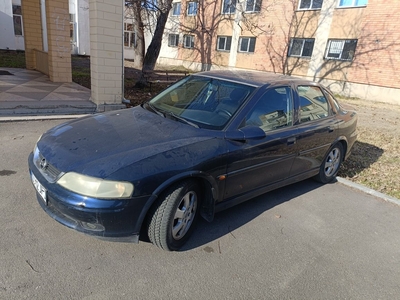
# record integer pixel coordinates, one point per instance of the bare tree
(209, 17)
(161, 9)
(149, 9)
(133, 11)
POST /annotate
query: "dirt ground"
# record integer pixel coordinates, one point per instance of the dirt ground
(375, 159)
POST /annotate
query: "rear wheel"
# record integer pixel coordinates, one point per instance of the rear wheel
(331, 164)
(172, 219)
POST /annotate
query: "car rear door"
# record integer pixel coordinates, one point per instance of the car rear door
(317, 128)
(257, 163)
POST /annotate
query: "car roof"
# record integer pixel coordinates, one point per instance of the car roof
(251, 77)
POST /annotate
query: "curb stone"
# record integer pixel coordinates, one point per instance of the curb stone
(368, 190)
(38, 118)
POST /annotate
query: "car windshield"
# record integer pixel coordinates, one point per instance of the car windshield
(201, 101)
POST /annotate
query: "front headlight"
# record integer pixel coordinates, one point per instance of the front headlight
(95, 187)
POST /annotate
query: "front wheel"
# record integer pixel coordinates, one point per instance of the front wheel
(172, 219)
(330, 165)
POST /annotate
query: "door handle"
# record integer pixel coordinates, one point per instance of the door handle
(291, 141)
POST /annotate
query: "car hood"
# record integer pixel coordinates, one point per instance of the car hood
(101, 144)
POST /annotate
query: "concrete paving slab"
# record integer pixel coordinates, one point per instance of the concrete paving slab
(28, 92)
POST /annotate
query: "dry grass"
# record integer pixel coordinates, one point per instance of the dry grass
(375, 160)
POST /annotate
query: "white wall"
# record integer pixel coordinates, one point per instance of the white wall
(83, 27)
(7, 37)
(171, 27)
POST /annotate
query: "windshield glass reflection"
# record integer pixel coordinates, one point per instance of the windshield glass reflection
(202, 101)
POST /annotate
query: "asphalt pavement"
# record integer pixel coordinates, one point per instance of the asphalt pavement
(305, 241)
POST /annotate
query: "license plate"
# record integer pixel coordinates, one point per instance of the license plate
(39, 188)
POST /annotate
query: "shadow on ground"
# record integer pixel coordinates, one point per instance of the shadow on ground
(227, 221)
(362, 157)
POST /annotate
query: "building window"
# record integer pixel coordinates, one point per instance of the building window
(188, 41)
(341, 49)
(352, 3)
(224, 43)
(310, 4)
(229, 6)
(129, 36)
(301, 47)
(192, 8)
(253, 5)
(247, 44)
(72, 30)
(173, 40)
(176, 9)
(17, 19)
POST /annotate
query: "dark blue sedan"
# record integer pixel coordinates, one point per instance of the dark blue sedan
(211, 141)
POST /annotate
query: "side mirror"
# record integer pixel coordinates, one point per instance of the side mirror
(246, 133)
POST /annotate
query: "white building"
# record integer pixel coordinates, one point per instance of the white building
(12, 34)
(11, 29)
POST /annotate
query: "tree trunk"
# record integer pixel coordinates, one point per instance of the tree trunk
(140, 32)
(154, 48)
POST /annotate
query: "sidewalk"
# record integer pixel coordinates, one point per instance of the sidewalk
(31, 93)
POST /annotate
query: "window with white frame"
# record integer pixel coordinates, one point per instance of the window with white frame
(224, 43)
(72, 29)
(173, 40)
(301, 47)
(352, 3)
(341, 49)
(192, 8)
(247, 44)
(188, 41)
(17, 19)
(176, 9)
(228, 6)
(253, 5)
(129, 36)
(310, 4)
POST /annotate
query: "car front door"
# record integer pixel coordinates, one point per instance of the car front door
(257, 163)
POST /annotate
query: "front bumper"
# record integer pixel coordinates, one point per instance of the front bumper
(118, 219)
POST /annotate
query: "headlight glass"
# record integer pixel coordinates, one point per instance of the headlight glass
(95, 187)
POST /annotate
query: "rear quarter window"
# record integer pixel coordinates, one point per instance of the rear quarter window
(313, 103)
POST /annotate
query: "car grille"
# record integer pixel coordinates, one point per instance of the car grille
(50, 172)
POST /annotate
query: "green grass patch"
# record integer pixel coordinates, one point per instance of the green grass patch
(12, 59)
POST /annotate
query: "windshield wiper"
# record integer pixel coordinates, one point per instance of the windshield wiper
(164, 114)
(157, 111)
(170, 113)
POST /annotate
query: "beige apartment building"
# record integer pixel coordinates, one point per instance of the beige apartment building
(352, 46)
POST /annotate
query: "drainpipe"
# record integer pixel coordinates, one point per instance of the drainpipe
(44, 25)
(124, 101)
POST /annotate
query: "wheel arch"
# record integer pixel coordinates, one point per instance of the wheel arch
(208, 186)
(344, 142)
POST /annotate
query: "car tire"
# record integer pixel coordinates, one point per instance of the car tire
(173, 217)
(331, 164)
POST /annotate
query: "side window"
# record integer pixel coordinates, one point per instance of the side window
(334, 103)
(273, 110)
(313, 104)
